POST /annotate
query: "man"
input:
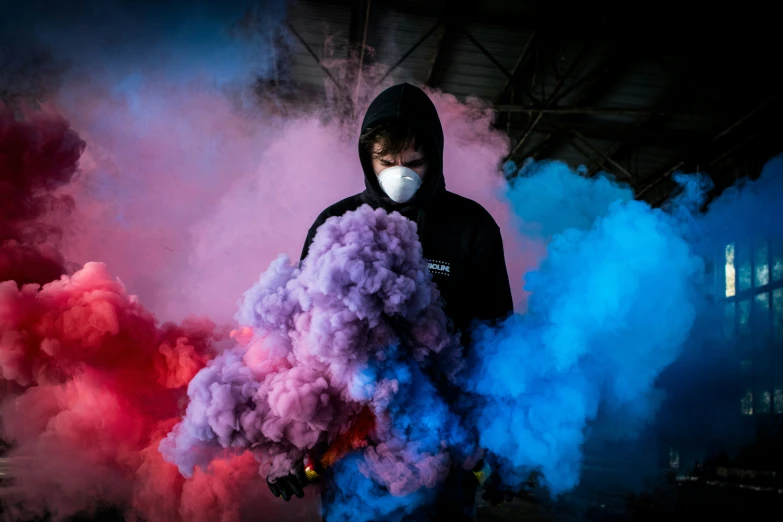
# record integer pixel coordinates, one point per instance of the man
(401, 152)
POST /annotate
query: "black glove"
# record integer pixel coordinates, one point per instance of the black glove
(495, 494)
(290, 485)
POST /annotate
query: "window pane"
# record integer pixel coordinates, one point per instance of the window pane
(730, 275)
(765, 404)
(744, 318)
(742, 261)
(777, 318)
(777, 261)
(729, 321)
(762, 354)
(761, 265)
(746, 403)
(777, 348)
(761, 326)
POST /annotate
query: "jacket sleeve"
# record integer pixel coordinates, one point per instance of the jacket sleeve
(492, 291)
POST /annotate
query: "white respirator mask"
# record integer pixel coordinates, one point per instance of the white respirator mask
(399, 183)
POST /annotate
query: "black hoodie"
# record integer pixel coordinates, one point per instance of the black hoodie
(460, 239)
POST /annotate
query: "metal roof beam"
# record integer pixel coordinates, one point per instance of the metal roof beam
(603, 158)
(711, 152)
(447, 35)
(515, 81)
(522, 61)
(655, 115)
(587, 152)
(595, 111)
(315, 57)
(360, 16)
(408, 53)
(507, 93)
(613, 131)
(552, 97)
(571, 20)
(446, 32)
(594, 85)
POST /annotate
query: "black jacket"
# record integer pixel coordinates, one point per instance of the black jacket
(460, 239)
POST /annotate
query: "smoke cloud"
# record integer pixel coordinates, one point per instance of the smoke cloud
(620, 309)
(357, 326)
(151, 139)
(37, 155)
(610, 309)
(193, 166)
(96, 375)
(629, 341)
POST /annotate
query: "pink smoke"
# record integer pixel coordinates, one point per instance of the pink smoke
(187, 194)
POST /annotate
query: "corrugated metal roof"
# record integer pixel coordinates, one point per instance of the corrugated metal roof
(320, 26)
(397, 34)
(641, 86)
(471, 72)
(642, 111)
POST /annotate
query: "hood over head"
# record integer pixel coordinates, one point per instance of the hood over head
(407, 103)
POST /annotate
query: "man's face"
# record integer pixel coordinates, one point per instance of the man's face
(411, 158)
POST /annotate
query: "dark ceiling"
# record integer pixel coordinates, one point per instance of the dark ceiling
(640, 92)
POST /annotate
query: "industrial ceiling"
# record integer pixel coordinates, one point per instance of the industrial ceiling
(640, 93)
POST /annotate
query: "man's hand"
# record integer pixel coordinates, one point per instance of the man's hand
(290, 485)
(495, 494)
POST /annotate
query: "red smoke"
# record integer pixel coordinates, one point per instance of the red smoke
(98, 379)
(353, 438)
(37, 155)
(92, 382)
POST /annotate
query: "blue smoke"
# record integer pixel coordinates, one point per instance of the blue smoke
(122, 41)
(418, 428)
(549, 197)
(355, 497)
(729, 372)
(626, 346)
(141, 63)
(610, 308)
(119, 69)
(629, 351)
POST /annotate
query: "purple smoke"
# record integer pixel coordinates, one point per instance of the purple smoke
(356, 325)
